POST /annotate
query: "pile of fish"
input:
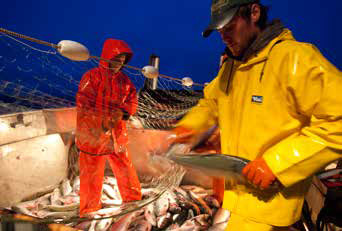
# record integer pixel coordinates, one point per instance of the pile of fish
(63, 202)
(178, 208)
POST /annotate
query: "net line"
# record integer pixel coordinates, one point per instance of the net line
(156, 110)
(5, 31)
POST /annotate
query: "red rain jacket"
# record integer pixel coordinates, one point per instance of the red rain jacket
(100, 93)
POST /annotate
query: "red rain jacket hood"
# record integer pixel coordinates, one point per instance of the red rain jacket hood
(112, 48)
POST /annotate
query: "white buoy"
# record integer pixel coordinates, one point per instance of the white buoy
(73, 50)
(187, 81)
(150, 72)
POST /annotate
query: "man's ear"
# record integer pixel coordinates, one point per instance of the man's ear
(255, 13)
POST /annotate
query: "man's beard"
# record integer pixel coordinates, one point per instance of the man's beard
(240, 57)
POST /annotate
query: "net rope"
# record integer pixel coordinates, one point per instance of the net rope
(45, 79)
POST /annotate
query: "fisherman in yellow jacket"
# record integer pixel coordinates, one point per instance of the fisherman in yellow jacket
(278, 103)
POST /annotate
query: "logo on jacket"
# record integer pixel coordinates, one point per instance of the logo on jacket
(256, 99)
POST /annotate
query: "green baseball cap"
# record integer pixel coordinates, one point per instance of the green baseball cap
(222, 11)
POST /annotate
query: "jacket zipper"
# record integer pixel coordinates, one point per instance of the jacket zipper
(230, 76)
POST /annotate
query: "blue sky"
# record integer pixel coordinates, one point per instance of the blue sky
(170, 29)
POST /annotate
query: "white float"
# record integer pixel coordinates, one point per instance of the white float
(150, 72)
(73, 50)
(187, 82)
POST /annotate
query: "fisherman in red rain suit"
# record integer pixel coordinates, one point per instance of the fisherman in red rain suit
(105, 99)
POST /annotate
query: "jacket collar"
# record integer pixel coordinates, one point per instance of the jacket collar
(260, 56)
(263, 54)
(259, 49)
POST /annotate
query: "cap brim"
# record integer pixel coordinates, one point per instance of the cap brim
(220, 22)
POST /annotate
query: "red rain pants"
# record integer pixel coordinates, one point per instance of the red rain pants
(92, 174)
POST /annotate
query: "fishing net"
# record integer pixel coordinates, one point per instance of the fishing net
(40, 169)
(36, 78)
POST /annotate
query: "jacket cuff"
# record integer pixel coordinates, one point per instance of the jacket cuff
(297, 158)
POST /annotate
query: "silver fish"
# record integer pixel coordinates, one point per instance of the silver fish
(62, 208)
(111, 181)
(111, 202)
(106, 212)
(173, 202)
(191, 214)
(218, 227)
(137, 218)
(180, 218)
(55, 197)
(23, 210)
(140, 225)
(28, 204)
(200, 202)
(93, 224)
(148, 192)
(190, 206)
(222, 215)
(28, 207)
(173, 226)
(83, 225)
(161, 206)
(164, 221)
(188, 225)
(213, 164)
(150, 214)
(44, 202)
(66, 187)
(49, 214)
(104, 197)
(171, 196)
(104, 224)
(202, 219)
(211, 201)
(109, 191)
(124, 222)
(44, 199)
(194, 223)
(70, 199)
(197, 189)
(175, 208)
(180, 193)
(76, 184)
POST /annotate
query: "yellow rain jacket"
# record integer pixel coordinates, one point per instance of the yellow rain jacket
(285, 104)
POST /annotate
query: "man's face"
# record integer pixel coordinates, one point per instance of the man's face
(117, 64)
(237, 35)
